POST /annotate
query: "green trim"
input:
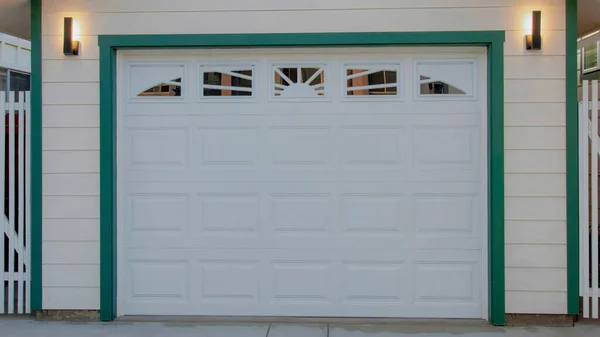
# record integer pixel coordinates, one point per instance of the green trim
(108, 232)
(494, 40)
(572, 121)
(298, 40)
(36, 156)
(496, 184)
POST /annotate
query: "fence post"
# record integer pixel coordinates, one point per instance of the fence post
(585, 226)
(11, 203)
(21, 202)
(3, 275)
(594, 233)
(27, 185)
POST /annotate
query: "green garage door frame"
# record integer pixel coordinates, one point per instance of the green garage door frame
(572, 123)
(109, 44)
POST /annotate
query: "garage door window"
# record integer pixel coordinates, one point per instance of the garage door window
(299, 81)
(156, 81)
(373, 80)
(168, 88)
(226, 81)
(446, 79)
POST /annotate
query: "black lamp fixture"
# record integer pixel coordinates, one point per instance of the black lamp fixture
(70, 46)
(533, 41)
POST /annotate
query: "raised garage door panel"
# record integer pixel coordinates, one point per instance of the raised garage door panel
(311, 183)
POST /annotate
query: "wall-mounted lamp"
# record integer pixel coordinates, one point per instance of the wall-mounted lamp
(533, 41)
(70, 46)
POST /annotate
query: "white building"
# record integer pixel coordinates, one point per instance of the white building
(15, 63)
(333, 158)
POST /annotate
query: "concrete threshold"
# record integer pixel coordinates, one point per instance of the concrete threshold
(304, 320)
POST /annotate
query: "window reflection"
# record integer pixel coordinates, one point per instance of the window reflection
(368, 82)
(227, 83)
(433, 87)
(170, 88)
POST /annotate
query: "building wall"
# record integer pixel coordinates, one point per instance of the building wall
(536, 280)
(15, 53)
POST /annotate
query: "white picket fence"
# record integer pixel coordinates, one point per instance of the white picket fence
(14, 207)
(588, 203)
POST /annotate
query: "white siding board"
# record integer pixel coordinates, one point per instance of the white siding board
(535, 161)
(70, 161)
(534, 114)
(73, 70)
(71, 184)
(536, 232)
(536, 208)
(71, 93)
(535, 279)
(535, 302)
(535, 138)
(71, 275)
(534, 67)
(261, 5)
(550, 91)
(71, 139)
(70, 116)
(71, 298)
(535, 185)
(71, 230)
(535, 256)
(71, 207)
(71, 253)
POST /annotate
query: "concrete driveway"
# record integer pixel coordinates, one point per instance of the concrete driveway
(20, 327)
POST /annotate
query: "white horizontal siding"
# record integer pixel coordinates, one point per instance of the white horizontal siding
(70, 116)
(536, 232)
(535, 161)
(73, 70)
(540, 256)
(71, 230)
(534, 110)
(69, 184)
(71, 298)
(539, 138)
(372, 20)
(534, 209)
(70, 161)
(79, 207)
(260, 5)
(535, 279)
(535, 185)
(535, 302)
(534, 114)
(62, 139)
(68, 252)
(71, 275)
(526, 90)
(71, 93)
(535, 67)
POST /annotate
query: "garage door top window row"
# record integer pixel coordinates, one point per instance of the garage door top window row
(227, 82)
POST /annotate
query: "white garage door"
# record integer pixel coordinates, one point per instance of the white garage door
(344, 182)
